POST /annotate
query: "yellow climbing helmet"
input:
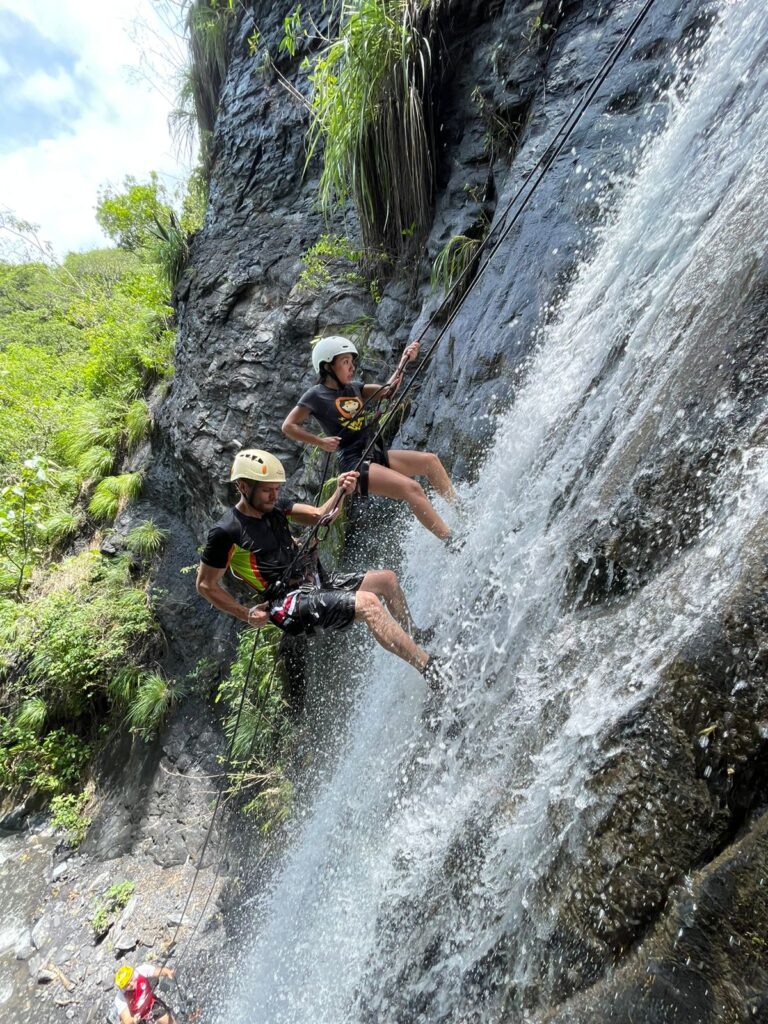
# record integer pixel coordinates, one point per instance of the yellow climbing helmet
(123, 975)
(258, 465)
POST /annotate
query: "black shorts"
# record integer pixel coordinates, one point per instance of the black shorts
(313, 610)
(348, 460)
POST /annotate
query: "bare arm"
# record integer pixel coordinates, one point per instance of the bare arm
(292, 427)
(309, 515)
(209, 586)
(390, 388)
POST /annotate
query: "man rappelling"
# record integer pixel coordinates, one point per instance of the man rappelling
(136, 1000)
(253, 540)
(342, 407)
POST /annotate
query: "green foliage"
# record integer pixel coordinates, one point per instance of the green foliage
(146, 539)
(32, 714)
(153, 698)
(61, 526)
(68, 813)
(171, 250)
(129, 217)
(197, 104)
(332, 256)
(372, 112)
(109, 905)
(71, 640)
(22, 509)
(52, 765)
(263, 720)
(112, 493)
(333, 536)
(453, 260)
(138, 423)
(264, 729)
(292, 32)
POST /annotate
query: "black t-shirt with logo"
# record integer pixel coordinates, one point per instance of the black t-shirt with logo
(341, 413)
(256, 550)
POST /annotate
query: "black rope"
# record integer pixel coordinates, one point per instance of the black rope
(532, 181)
(209, 830)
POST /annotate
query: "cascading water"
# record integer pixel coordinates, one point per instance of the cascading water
(436, 875)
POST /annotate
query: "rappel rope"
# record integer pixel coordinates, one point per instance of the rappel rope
(217, 805)
(501, 229)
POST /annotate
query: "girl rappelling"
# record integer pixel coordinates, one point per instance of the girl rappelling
(342, 407)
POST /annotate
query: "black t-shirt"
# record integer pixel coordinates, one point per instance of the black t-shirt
(341, 413)
(256, 551)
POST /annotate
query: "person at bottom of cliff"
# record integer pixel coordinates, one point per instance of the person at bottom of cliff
(136, 1000)
(338, 403)
(253, 540)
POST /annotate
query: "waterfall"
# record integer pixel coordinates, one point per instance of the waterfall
(425, 880)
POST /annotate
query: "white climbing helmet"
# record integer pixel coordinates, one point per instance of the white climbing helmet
(258, 465)
(326, 349)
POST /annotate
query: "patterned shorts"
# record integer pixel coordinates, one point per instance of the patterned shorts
(313, 610)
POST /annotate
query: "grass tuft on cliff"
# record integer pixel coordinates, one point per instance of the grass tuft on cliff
(372, 118)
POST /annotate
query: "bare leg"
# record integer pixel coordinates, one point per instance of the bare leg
(383, 583)
(424, 464)
(391, 484)
(386, 631)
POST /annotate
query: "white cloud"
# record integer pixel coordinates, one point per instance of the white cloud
(121, 124)
(45, 90)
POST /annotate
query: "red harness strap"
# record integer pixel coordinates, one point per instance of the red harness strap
(143, 998)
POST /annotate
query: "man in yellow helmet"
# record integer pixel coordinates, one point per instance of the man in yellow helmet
(254, 542)
(136, 1001)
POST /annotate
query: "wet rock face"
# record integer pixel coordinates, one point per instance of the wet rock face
(678, 488)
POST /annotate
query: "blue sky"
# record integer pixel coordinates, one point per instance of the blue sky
(77, 109)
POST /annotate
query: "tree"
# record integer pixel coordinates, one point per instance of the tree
(131, 217)
(21, 512)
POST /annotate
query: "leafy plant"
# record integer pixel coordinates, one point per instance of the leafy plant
(372, 112)
(110, 904)
(68, 813)
(197, 104)
(113, 492)
(170, 249)
(71, 640)
(32, 714)
(331, 256)
(21, 516)
(146, 539)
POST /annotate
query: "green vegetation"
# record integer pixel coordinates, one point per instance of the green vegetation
(112, 493)
(109, 905)
(372, 116)
(261, 743)
(153, 699)
(146, 540)
(453, 260)
(68, 813)
(70, 659)
(207, 26)
(332, 256)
